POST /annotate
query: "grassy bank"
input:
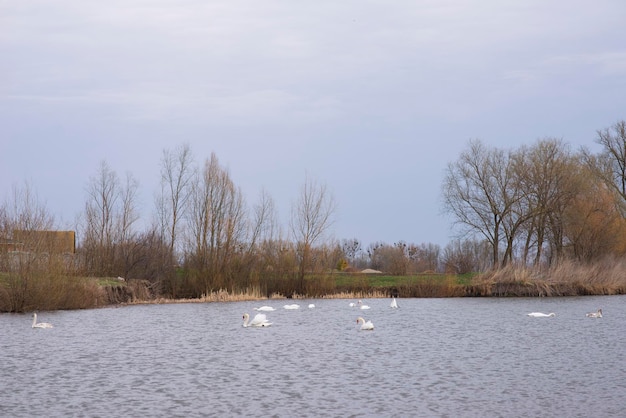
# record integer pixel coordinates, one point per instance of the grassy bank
(50, 292)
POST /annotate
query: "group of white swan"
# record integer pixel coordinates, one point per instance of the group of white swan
(360, 304)
(597, 314)
(260, 320)
(40, 324)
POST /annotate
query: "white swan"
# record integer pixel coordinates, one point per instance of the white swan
(541, 314)
(365, 325)
(294, 306)
(394, 304)
(259, 320)
(362, 306)
(352, 304)
(265, 309)
(40, 324)
(597, 314)
(311, 305)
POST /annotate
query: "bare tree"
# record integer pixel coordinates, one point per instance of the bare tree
(351, 249)
(311, 217)
(392, 259)
(265, 221)
(177, 172)
(127, 243)
(546, 175)
(478, 190)
(103, 194)
(30, 262)
(613, 158)
(217, 226)
(460, 257)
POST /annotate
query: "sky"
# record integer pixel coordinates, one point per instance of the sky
(371, 98)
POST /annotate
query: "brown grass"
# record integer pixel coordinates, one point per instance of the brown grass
(566, 279)
(35, 290)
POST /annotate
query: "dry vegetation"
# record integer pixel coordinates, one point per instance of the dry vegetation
(566, 279)
(57, 291)
(538, 220)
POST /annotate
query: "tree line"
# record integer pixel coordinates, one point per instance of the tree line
(533, 205)
(542, 203)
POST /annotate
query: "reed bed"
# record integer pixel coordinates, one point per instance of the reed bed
(565, 279)
(54, 290)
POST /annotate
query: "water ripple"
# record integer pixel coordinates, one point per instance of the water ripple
(431, 357)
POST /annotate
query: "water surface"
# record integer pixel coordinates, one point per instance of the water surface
(466, 357)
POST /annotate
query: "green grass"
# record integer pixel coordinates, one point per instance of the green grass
(383, 281)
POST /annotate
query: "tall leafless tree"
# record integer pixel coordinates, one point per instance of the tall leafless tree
(103, 194)
(177, 172)
(311, 217)
(613, 142)
(546, 174)
(31, 260)
(216, 225)
(109, 222)
(478, 190)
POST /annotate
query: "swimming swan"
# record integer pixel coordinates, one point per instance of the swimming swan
(363, 306)
(259, 320)
(40, 324)
(365, 326)
(394, 304)
(294, 306)
(541, 314)
(595, 314)
(265, 308)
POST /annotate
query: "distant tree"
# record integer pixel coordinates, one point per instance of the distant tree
(548, 177)
(594, 227)
(109, 223)
(125, 231)
(27, 268)
(177, 172)
(391, 259)
(311, 218)
(465, 256)
(257, 260)
(103, 195)
(216, 227)
(612, 160)
(423, 257)
(479, 191)
(351, 249)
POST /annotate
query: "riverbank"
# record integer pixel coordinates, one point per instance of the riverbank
(49, 292)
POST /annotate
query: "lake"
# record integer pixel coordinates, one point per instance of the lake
(470, 357)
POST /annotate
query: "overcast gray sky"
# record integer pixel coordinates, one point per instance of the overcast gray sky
(372, 98)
